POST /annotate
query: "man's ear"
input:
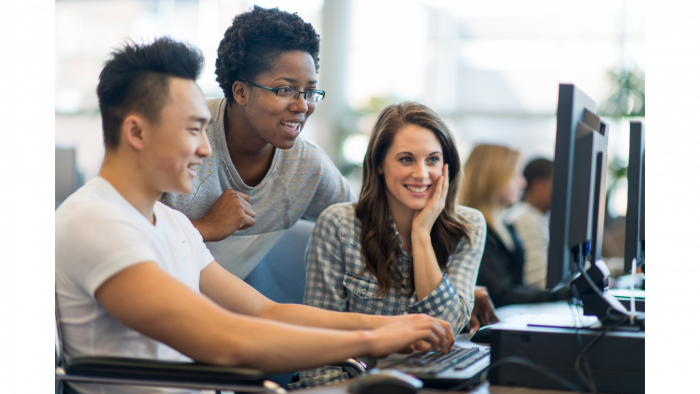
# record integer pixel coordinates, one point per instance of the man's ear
(240, 92)
(133, 131)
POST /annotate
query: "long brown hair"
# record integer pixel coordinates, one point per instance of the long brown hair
(380, 248)
(488, 169)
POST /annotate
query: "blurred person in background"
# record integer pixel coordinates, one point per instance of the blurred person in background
(405, 246)
(530, 218)
(492, 183)
(261, 178)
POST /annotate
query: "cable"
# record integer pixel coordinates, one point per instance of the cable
(587, 380)
(592, 342)
(633, 305)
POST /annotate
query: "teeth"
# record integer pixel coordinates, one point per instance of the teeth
(417, 189)
(291, 124)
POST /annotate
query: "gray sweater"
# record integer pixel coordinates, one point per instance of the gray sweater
(301, 183)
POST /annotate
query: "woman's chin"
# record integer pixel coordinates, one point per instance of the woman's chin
(284, 144)
(415, 205)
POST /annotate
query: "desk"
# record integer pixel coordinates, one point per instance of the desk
(483, 388)
(503, 313)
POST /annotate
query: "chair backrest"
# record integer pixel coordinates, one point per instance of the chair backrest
(59, 335)
(59, 362)
(281, 274)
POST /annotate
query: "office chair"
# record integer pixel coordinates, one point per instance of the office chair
(156, 373)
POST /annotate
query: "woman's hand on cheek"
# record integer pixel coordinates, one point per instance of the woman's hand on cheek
(424, 219)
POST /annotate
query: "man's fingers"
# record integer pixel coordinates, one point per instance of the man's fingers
(407, 350)
(434, 339)
(442, 335)
(421, 345)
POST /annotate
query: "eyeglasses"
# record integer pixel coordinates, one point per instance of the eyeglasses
(290, 95)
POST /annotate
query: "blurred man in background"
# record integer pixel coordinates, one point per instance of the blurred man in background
(530, 217)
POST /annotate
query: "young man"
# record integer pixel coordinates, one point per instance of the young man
(133, 277)
(531, 222)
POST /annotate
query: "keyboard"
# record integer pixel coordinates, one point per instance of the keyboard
(438, 370)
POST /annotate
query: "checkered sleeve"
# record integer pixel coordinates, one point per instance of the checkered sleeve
(325, 265)
(453, 299)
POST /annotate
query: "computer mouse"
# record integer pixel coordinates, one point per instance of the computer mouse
(482, 335)
(386, 381)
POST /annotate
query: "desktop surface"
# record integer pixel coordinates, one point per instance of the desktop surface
(545, 310)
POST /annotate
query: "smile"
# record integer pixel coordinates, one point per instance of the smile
(291, 126)
(418, 189)
(191, 170)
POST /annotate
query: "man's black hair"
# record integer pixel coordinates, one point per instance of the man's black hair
(256, 39)
(136, 79)
(538, 169)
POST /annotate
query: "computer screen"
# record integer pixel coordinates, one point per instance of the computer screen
(66, 179)
(634, 221)
(578, 190)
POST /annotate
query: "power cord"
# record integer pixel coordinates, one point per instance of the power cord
(579, 260)
(589, 379)
(582, 356)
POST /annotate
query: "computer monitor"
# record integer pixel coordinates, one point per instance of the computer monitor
(66, 173)
(578, 190)
(634, 222)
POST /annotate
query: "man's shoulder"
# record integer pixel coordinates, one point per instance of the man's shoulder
(173, 216)
(93, 200)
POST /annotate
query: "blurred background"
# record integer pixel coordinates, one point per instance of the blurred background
(491, 69)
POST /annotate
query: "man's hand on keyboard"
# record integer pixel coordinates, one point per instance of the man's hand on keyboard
(483, 312)
(407, 333)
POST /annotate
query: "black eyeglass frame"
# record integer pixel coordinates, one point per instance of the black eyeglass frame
(296, 96)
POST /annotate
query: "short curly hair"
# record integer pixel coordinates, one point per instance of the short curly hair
(256, 39)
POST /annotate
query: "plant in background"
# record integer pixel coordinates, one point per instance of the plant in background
(627, 100)
(628, 96)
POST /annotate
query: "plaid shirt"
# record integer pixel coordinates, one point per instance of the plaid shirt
(333, 260)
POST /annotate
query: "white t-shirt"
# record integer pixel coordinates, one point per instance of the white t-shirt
(98, 234)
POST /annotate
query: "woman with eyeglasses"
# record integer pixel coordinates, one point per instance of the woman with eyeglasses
(405, 246)
(261, 177)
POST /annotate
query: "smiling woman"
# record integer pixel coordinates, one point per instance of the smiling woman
(405, 246)
(261, 177)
